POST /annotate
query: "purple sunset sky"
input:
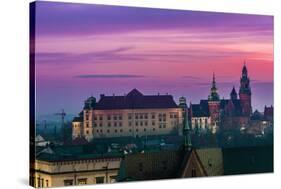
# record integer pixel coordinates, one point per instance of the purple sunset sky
(84, 50)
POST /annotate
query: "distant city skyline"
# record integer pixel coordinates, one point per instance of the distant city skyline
(84, 50)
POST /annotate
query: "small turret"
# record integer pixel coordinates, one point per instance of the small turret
(90, 103)
(214, 96)
(233, 94)
(182, 102)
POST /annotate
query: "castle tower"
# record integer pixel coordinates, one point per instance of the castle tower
(214, 103)
(88, 118)
(245, 93)
(233, 94)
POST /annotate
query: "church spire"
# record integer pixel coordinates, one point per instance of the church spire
(244, 71)
(186, 131)
(245, 81)
(214, 96)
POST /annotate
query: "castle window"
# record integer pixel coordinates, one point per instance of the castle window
(95, 117)
(141, 123)
(108, 117)
(87, 125)
(120, 124)
(115, 130)
(137, 123)
(109, 124)
(144, 129)
(100, 124)
(47, 183)
(141, 116)
(130, 130)
(115, 117)
(137, 117)
(101, 130)
(87, 132)
(145, 123)
(130, 124)
(87, 117)
(108, 130)
(97, 130)
(121, 130)
(115, 124)
(120, 117)
(101, 118)
(153, 122)
(153, 129)
(146, 116)
(137, 130)
(160, 119)
(153, 115)
(129, 116)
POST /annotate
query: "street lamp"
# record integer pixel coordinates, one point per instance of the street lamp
(106, 172)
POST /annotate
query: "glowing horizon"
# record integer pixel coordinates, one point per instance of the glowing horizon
(84, 49)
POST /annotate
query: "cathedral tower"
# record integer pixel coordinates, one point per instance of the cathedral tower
(245, 93)
(214, 103)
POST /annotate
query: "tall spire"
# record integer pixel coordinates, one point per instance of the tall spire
(214, 96)
(244, 70)
(186, 131)
(245, 81)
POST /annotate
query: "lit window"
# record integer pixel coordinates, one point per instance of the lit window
(82, 181)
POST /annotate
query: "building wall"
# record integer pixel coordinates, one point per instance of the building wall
(76, 129)
(214, 109)
(54, 174)
(130, 122)
(88, 125)
(201, 123)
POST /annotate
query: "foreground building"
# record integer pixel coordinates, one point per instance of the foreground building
(134, 114)
(73, 165)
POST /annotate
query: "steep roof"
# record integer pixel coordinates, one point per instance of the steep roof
(212, 160)
(150, 165)
(135, 100)
(200, 110)
(77, 119)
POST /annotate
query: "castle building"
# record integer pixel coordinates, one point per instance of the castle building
(133, 115)
(232, 113)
